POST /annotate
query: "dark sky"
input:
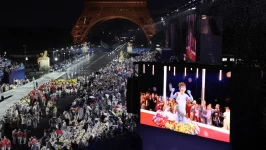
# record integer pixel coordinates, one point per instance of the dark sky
(48, 23)
(33, 16)
(59, 13)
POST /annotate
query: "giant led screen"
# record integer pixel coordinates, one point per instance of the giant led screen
(191, 38)
(189, 100)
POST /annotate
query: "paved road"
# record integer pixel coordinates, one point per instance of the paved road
(93, 63)
(14, 95)
(92, 58)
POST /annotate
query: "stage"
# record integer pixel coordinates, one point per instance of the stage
(206, 131)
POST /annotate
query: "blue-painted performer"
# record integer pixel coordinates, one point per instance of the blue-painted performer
(181, 98)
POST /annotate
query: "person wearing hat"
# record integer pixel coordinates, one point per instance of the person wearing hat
(181, 99)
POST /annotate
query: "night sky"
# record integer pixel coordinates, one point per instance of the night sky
(59, 13)
(48, 23)
(45, 24)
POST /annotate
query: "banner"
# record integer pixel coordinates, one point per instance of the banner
(191, 39)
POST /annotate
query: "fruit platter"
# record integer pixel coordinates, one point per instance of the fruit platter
(164, 121)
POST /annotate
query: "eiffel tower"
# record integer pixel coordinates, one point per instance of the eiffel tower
(99, 11)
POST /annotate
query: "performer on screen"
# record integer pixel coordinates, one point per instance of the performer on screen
(227, 118)
(181, 99)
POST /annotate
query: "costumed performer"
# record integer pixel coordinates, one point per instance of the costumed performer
(226, 118)
(181, 99)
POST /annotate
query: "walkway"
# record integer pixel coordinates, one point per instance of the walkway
(92, 64)
(89, 65)
(16, 94)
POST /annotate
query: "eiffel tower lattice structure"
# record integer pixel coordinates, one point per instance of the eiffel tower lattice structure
(99, 11)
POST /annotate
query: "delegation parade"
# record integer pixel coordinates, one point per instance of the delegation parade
(97, 112)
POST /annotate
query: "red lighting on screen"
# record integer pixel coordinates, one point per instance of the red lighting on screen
(175, 104)
(191, 40)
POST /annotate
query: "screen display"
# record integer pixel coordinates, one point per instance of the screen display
(188, 100)
(191, 39)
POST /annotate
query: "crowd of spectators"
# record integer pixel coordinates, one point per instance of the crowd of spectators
(98, 112)
(8, 66)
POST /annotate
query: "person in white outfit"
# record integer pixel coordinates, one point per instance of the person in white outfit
(181, 99)
(20, 136)
(227, 118)
(25, 137)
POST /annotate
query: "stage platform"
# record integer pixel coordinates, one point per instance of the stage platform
(16, 94)
(206, 131)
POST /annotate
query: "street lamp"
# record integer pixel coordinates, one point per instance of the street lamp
(26, 59)
(53, 53)
(56, 53)
(61, 52)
